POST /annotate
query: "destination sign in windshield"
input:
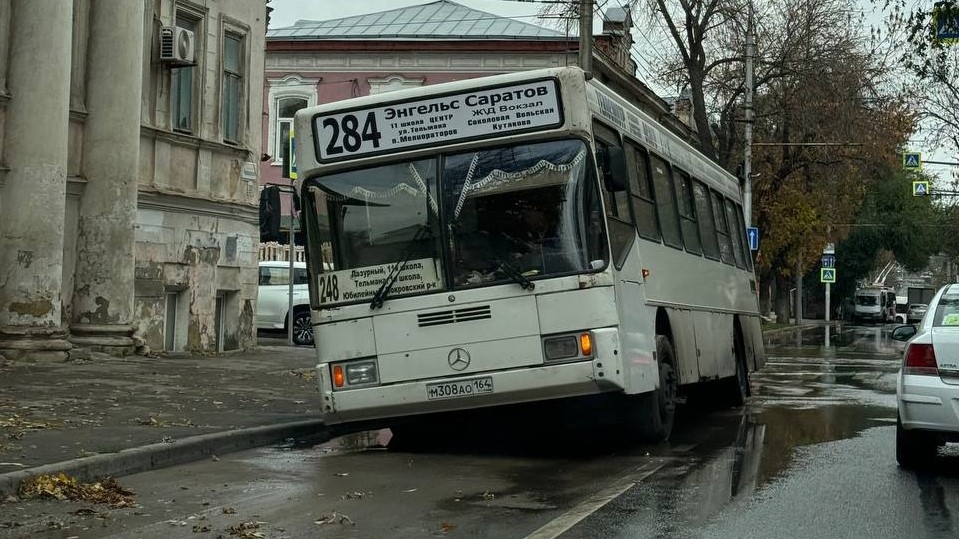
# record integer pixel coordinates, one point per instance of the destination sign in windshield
(439, 120)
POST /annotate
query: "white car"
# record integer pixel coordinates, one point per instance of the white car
(927, 392)
(273, 300)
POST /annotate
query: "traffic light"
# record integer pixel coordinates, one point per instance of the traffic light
(270, 214)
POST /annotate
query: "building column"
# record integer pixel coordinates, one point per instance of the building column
(103, 295)
(34, 198)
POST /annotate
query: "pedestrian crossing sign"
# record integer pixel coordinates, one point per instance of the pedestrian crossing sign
(911, 160)
(827, 275)
(920, 188)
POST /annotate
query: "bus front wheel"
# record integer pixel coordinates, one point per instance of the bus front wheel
(656, 410)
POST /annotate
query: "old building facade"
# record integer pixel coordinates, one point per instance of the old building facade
(128, 173)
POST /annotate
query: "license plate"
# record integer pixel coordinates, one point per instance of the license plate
(462, 388)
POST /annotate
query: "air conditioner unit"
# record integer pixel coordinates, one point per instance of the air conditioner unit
(177, 45)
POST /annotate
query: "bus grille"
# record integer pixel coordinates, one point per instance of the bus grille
(453, 316)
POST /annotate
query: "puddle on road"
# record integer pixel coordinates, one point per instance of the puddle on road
(751, 450)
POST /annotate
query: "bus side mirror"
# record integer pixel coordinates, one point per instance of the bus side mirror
(612, 165)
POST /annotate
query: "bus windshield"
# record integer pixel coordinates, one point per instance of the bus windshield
(488, 216)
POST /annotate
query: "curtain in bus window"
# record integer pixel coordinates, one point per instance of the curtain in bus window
(734, 234)
(707, 225)
(722, 230)
(644, 209)
(687, 214)
(665, 202)
(528, 208)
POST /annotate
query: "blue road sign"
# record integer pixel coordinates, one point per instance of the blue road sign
(920, 188)
(827, 275)
(911, 160)
(828, 261)
(752, 233)
(947, 24)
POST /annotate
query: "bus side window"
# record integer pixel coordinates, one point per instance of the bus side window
(738, 247)
(641, 192)
(722, 230)
(707, 224)
(687, 213)
(666, 202)
(742, 234)
(619, 221)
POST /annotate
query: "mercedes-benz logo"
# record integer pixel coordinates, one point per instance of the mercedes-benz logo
(458, 359)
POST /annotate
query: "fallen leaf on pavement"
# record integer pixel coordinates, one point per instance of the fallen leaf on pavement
(247, 530)
(201, 529)
(64, 487)
(228, 510)
(447, 527)
(335, 518)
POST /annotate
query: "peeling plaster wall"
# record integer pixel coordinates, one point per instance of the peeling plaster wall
(197, 257)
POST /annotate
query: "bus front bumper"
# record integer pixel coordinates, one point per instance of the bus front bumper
(512, 386)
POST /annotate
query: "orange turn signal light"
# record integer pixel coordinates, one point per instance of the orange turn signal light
(338, 377)
(586, 344)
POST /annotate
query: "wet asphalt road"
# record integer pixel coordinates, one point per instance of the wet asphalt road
(812, 455)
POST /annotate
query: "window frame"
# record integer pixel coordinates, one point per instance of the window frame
(229, 77)
(197, 19)
(708, 237)
(739, 254)
(670, 191)
(278, 122)
(281, 88)
(722, 228)
(614, 221)
(684, 197)
(639, 156)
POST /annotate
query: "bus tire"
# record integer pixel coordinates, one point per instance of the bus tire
(737, 387)
(656, 410)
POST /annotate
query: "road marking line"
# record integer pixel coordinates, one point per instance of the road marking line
(567, 520)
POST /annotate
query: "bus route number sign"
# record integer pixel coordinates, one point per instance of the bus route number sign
(485, 113)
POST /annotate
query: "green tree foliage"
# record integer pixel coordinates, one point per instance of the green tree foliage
(891, 221)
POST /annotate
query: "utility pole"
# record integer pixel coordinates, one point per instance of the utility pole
(586, 35)
(748, 108)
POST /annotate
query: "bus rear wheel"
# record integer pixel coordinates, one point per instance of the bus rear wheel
(737, 388)
(656, 410)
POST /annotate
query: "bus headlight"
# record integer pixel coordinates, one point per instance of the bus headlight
(355, 373)
(561, 347)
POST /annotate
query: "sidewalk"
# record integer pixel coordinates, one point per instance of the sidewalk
(58, 412)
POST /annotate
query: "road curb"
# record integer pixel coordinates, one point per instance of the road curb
(161, 455)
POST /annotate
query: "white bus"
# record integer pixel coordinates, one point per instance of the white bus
(519, 238)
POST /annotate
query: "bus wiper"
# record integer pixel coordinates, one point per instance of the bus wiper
(514, 274)
(384, 290)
